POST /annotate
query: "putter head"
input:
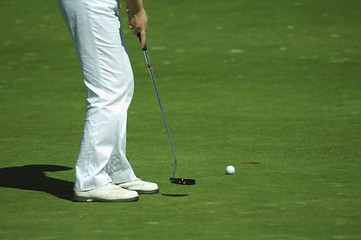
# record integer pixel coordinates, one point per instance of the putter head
(182, 181)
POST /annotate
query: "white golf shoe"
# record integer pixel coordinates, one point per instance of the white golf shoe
(142, 187)
(107, 193)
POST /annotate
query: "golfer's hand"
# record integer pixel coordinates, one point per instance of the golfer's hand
(138, 21)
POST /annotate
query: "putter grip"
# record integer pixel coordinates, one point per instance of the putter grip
(145, 45)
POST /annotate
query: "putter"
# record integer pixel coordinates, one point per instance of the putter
(173, 179)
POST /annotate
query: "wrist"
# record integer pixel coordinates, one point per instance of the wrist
(135, 6)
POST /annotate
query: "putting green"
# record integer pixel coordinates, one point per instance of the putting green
(272, 82)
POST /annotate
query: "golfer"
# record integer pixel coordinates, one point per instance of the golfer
(103, 172)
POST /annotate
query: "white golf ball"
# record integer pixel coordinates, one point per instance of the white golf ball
(230, 169)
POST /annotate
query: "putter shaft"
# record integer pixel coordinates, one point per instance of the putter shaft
(160, 105)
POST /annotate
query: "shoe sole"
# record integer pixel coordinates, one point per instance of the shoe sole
(86, 199)
(147, 192)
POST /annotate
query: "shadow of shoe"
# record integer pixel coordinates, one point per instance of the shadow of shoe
(32, 177)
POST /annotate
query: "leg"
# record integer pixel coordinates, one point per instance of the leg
(108, 76)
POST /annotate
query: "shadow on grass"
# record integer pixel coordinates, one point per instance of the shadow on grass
(175, 195)
(32, 177)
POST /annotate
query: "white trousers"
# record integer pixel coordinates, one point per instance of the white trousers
(96, 31)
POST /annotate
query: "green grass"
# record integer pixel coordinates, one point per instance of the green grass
(275, 82)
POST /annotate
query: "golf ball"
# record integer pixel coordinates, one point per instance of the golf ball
(230, 169)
